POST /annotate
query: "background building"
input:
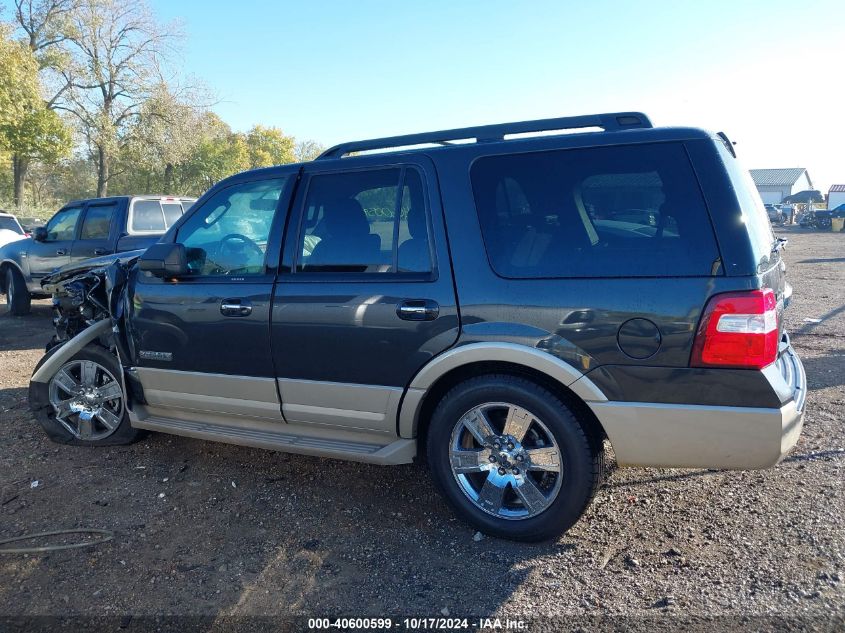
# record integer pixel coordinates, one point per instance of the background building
(835, 196)
(776, 184)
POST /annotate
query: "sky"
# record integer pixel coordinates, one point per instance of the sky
(770, 74)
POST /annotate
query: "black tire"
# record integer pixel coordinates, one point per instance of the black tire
(581, 454)
(39, 402)
(18, 299)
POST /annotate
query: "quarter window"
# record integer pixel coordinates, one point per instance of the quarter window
(371, 221)
(631, 211)
(62, 226)
(228, 235)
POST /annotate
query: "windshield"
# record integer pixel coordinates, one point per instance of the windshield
(10, 224)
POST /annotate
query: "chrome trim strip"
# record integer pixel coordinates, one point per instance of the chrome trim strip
(52, 364)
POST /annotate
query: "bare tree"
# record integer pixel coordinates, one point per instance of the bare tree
(120, 50)
(305, 151)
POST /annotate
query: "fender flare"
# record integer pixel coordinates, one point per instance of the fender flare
(51, 366)
(529, 357)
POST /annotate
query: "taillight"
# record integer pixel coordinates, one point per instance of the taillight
(738, 329)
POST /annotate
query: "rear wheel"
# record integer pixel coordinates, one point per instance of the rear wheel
(83, 403)
(512, 459)
(18, 299)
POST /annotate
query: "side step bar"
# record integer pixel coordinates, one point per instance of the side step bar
(400, 451)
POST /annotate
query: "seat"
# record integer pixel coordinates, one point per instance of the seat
(414, 253)
(346, 240)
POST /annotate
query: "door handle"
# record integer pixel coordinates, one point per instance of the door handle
(101, 251)
(61, 251)
(418, 310)
(235, 308)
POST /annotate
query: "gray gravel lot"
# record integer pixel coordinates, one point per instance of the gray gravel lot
(211, 529)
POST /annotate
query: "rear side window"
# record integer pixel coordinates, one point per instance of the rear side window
(97, 222)
(369, 221)
(633, 211)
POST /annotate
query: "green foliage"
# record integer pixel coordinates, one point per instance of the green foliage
(267, 146)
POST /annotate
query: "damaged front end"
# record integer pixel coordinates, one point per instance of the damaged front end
(89, 292)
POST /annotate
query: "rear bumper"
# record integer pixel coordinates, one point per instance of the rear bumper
(698, 436)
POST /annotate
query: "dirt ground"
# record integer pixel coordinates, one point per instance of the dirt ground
(215, 530)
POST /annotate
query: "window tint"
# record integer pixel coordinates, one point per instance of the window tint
(97, 222)
(365, 222)
(62, 226)
(600, 212)
(10, 224)
(228, 234)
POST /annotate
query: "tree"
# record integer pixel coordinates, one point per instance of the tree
(165, 136)
(120, 50)
(268, 146)
(45, 25)
(28, 129)
(307, 150)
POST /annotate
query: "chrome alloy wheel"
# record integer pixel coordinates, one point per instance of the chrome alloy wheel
(87, 399)
(505, 460)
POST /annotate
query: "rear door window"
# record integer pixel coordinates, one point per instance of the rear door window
(97, 222)
(630, 211)
(368, 221)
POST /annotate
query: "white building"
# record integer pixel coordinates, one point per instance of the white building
(835, 196)
(775, 184)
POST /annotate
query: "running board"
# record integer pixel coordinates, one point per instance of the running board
(400, 451)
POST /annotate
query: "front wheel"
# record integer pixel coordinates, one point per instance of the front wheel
(18, 299)
(512, 459)
(83, 403)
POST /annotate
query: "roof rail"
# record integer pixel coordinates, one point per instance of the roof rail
(612, 121)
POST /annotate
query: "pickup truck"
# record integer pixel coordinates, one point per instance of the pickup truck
(80, 230)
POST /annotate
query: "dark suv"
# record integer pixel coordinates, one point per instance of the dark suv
(496, 304)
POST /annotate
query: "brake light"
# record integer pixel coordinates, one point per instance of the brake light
(738, 329)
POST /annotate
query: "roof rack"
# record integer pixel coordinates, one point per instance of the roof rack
(612, 121)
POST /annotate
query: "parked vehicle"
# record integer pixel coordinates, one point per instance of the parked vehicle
(80, 230)
(478, 305)
(10, 229)
(776, 214)
(817, 219)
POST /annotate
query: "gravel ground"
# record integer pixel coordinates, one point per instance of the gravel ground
(215, 530)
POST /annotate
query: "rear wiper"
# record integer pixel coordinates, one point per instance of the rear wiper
(780, 244)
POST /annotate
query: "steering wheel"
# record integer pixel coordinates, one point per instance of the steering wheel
(244, 240)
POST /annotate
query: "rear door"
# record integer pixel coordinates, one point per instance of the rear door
(98, 230)
(54, 251)
(365, 297)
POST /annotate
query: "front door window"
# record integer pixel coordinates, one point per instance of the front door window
(228, 236)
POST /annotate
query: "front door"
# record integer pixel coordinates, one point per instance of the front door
(202, 342)
(365, 297)
(54, 251)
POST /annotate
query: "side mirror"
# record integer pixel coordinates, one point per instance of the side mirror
(165, 260)
(40, 234)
